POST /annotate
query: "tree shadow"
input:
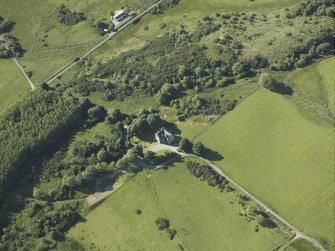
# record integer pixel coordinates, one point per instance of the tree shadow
(268, 223)
(212, 155)
(281, 88)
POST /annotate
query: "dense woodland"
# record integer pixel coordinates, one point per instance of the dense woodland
(31, 125)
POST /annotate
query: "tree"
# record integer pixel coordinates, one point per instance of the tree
(198, 149)
(185, 145)
(102, 155)
(138, 149)
(114, 115)
(38, 193)
(266, 81)
(96, 113)
(162, 223)
(324, 48)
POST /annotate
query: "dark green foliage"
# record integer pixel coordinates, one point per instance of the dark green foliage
(39, 227)
(11, 47)
(185, 145)
(164, 5)
(270, 83)
(195, 105)
(166, 94)
(30, 126)
(204, 172)
(315, 7)
(198, 149)
(145, 122)
(172, 233)
(162, 223)
(68, 17)
(6, 25)
(100, 27)
(96, 114)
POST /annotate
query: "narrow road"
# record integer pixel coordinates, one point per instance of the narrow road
(109, 37)
(31, 84)
(298, 234)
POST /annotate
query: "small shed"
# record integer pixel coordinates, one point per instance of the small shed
(163, 136)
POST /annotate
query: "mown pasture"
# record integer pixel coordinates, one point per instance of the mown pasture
(12, 84)
(277, 153)
(204, 218)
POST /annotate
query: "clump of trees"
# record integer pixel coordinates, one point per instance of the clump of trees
(102, 26)
(196, 105)
(68, 17)
(9, 45)
(185, 145)
(6, 25)
(267, 81)
(315, 7)
(163, 5)
(204, 172)
(164, 224)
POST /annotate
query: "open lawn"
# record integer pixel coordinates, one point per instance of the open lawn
(275, 152)
(12, 84)
(204, 218)
(50, 45)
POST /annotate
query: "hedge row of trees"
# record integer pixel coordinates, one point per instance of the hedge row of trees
(204, 172)
(34, 123)
(68, 17)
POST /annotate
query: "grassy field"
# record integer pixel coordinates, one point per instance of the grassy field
(315, 84)
(187, 12)
(184, 200)
(300, 245)
(12, 84)
(36, 20)
(273, 150)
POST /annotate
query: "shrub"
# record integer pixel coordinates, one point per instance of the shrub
(198, 149)
(185, 145)
(68, 17)
(162, 223)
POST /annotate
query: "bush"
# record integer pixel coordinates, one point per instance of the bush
(198, 149)
(270, 83)
(185, 145)
(162, 223)
(68, 17)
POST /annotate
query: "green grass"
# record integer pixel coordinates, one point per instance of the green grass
(187, 12)
(326, 70)
(315, 84)
(301, 245)
(203, 217)
(132, 104)
(12, 84)
(37, 20)
(275, 152)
